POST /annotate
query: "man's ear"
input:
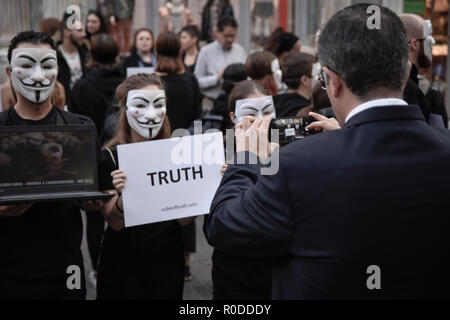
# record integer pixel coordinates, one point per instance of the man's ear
(414, 45)
(335, 82)
(8, 72)
(304, 81)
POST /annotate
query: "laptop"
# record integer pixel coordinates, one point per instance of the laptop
(48, 163)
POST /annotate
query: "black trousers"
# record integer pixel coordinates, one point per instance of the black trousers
(141, 270)
(95, 228)
(40, 289)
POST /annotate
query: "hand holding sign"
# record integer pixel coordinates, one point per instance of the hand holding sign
(169, 179)
(119, 178)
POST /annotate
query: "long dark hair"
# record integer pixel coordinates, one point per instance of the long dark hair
(103, 26)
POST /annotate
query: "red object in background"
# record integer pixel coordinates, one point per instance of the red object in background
(283, 14)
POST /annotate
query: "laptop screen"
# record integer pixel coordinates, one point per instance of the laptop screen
(53, 158)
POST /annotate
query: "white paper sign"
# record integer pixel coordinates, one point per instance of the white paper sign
(170, 179)
(135, 71)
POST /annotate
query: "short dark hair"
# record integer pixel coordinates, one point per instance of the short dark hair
(295, 66)
(365, 59)
(227, 21)
(193, 32)
(29, 37)
(104, 51)
(233, 74)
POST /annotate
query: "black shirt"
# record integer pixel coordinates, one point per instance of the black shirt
(289, 104)
(46, 239)
(183, 99)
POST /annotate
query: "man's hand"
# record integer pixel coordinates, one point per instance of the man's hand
(14, 210)
(252, 135)
(323, 123)
(220, 75)
(90, 205)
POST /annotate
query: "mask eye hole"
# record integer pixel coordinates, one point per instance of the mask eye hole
(26, 66)
(141, 106)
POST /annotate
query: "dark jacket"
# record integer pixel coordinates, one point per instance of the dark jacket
(134, 61)
(64, 71)
(437, 105)
(93, 96)
(183, 99)
(289, 104)
(372, 194)
(413, 95)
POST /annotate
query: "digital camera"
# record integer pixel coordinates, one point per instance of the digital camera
(291, 129)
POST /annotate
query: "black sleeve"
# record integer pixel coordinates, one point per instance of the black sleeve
(197, 98)
(437, 104)
(413, 95)
(104, 171)
(251, 214)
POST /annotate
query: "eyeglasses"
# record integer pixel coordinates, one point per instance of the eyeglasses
(323, 78)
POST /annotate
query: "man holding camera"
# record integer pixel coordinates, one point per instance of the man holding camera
(360, 212)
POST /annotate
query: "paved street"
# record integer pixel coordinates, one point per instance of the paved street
(200, 288)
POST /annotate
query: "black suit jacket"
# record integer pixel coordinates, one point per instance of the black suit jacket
(374, 193)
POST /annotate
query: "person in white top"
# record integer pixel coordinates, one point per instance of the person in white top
(216, 56)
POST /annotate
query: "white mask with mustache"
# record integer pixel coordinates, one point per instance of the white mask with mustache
(255, 107)
(34, 72)
(146, 111)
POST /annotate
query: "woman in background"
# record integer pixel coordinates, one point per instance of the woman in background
(264, 68)
(142, 51)
(190, 37)
(183, 93)
(282, 43)
(95, 24)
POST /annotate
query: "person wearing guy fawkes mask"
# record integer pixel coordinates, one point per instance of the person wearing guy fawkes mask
(419, 32)
(38, 242)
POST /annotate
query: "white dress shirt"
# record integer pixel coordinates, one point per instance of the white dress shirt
(373, 104)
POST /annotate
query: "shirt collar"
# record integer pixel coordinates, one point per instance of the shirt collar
(375, 103)
(219, 46)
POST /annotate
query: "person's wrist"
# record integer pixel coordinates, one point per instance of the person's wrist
(117, 204)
